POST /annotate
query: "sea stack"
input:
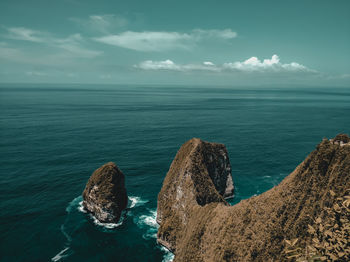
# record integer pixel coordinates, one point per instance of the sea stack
(105, 195)
(199, 175)
(196, 223)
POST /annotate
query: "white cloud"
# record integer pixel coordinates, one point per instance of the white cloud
(9, 53)
(252, 64)
(101, 23)
(159, 65)
(162, 41)
(147, 41)
(25, 34)
(170, 65)
(208, 63)
(270, 65)
(73, 45)
(215, 33)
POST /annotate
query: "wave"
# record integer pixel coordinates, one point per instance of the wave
(81, 207)
(136, 201)
(60, 255)
(72, 204)
(107, 225)
(168, 256)
(149, 222)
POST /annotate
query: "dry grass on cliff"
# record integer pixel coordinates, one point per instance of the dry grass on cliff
(328, 236)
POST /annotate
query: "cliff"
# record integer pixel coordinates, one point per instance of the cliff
(105, 195)
(197, 224)
(200, 174)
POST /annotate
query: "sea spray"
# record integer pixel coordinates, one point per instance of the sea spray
(136, 201)
(168, 256)
(149, 222)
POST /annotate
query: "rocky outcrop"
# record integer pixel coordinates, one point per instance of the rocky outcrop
(198, 225)
(341, 139)
(199, 175)
(105, 194)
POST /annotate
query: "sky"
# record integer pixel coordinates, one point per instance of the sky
(204, 42)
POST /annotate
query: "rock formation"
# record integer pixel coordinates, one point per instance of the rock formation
(198, 225)
(200, 174)
(105, 194)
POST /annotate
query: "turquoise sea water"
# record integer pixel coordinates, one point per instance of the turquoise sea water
(54, 137)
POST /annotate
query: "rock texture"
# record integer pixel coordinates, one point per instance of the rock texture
(198, 225)
(200, 174)
(105, 194)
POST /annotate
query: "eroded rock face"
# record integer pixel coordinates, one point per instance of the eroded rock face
(105, 194)
(197, 224)
(341, 139)
(199, 175)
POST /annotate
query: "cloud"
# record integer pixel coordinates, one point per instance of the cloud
(273, 64)
(25, 34)
(252, 64)
(208, 63)
(170, 65)
(147, 41)
(162, 41)
(9, 53)
(214, 33)
(72, 45)
(101, 23)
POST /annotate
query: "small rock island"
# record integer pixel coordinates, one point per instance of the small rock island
(105, 194)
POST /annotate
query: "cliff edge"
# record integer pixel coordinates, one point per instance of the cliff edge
(197, 224)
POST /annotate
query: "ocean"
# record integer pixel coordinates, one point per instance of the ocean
(54, 136)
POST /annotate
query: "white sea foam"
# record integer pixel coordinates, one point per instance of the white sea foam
(81, 207)
(149, 222)
(168, 256)
(133, 202)
(107, 225)
(60, 255)
(76, 201)
(136, 201)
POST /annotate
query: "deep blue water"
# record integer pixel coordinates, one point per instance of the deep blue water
(53, 137)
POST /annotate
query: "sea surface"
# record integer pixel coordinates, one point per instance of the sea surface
(52, 137)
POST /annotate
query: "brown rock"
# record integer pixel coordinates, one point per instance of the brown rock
(342, 138)
(200, 174)
(254, 229)
(105, 194)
